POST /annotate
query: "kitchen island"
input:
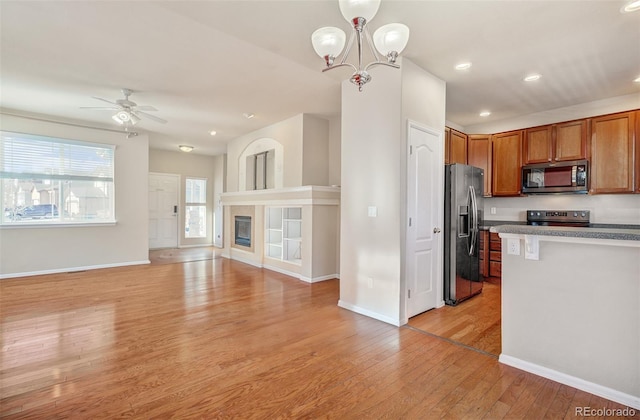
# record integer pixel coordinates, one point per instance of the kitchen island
(573, 314)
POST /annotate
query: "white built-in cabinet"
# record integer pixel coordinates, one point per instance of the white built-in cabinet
(283, 236)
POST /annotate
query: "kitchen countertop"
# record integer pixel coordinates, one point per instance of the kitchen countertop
(595, 231)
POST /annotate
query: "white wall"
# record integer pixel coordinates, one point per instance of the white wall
(219, 183)
(188, 165)
(574, 315)
(288, 133)
(315, 151)
(308, 149)
(374, 174)
(35, 250)
(604, 208)
(335, 141)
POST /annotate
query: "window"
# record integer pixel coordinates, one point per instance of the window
(260, 175)
(47, 180)
(195, 223)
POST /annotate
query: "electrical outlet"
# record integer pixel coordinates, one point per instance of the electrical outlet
(493, 210)
(513, 246)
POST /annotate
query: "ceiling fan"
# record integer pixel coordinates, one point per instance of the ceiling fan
(127, 111)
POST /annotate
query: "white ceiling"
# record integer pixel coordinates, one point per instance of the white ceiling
(203, 64)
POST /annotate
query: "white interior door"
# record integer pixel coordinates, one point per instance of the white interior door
(424, 196)
(163, 210)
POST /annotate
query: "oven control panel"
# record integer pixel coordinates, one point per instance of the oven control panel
(558, 216)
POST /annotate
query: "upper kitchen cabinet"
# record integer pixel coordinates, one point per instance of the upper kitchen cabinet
(637, 157)
(612, 153)
(538, 145)
(556, 143)
(479, 155)
(506, 163)
(570, 142)
(455, 146)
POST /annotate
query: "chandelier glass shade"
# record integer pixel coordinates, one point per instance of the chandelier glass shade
(388, 40)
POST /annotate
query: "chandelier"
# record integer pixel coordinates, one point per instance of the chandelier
(388, 40)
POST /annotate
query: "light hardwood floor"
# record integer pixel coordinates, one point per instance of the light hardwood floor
(474, 322)
(221, 339)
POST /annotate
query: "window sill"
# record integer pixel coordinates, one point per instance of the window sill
(36, 225)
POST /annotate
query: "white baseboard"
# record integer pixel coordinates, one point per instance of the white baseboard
(590, 387)
(368, 313)
(318, 279)
(249, 261)
(72, 269)
(194, 246)
(281, 271)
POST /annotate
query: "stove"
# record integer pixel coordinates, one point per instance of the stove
(576, 218)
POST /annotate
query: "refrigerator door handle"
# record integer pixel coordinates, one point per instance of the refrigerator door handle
(473, 220)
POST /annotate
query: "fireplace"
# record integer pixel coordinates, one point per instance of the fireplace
(243, 231)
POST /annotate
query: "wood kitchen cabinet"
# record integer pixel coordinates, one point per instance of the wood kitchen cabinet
(495, 255)
(479, 155)
(506, 159)
(555, 143)
(637, 157)
(483, 253)
(455, 146)
(570, 141)
(613, 163)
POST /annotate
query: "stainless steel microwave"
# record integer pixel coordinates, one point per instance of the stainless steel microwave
(559, 177)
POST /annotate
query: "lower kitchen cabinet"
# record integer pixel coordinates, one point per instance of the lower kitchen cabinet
(495, 255)
(483, 251)
(490, 255)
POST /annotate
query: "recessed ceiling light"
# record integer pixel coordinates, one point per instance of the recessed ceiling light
(532, 78)
(637, 79)
(465, 66)
(248, 115)
(485, 113)
(213, 132)
(185, 148)
(632, 6)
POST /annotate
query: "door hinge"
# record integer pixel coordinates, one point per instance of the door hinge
(409, 293)
(410, 150)
(409, 222)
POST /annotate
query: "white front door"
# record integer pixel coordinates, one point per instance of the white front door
(424, 208)
(163, 210)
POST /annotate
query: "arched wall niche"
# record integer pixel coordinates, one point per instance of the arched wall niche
(259, 146)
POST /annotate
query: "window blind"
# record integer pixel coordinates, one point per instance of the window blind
(25, 156)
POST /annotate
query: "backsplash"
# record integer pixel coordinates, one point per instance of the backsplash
(605, 208)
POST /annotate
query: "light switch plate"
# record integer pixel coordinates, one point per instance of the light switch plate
(373, 211)
(531, 247)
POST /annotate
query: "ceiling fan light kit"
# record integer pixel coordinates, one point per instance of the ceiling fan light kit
(388, 40)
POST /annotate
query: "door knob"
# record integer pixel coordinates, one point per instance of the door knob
(436, 230)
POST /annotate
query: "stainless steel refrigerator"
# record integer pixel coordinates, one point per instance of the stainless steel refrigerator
(463, 206)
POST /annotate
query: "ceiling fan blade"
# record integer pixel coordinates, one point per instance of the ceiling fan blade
(151, 117)
(145, 108)
(109, 108)
(104, 100)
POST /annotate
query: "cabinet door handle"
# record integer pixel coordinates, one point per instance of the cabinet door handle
(436, 230)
